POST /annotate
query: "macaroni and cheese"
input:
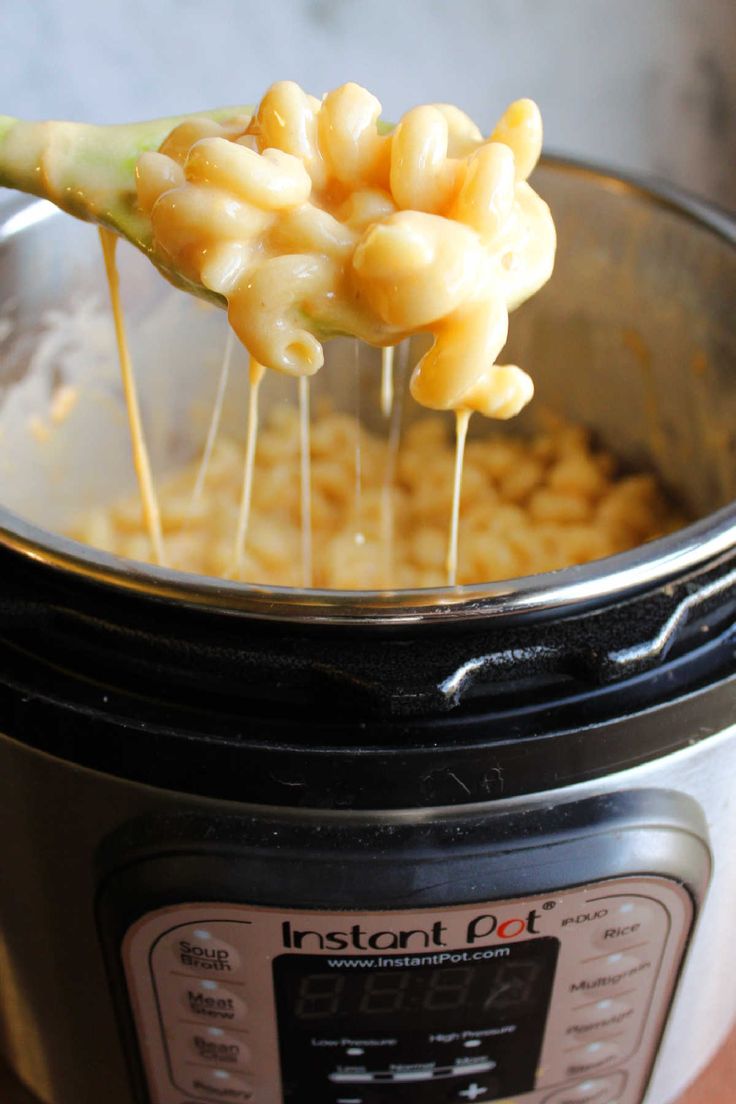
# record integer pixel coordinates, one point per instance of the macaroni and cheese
(312, 218)
(527, 506)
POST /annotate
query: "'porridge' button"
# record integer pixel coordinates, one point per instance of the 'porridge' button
(598, 1016)
(597, 1090)
(591, 1057)
(208, 1001)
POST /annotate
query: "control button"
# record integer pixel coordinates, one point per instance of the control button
(600, 1015)
(609, 972)
(220, 1084)
(598, 1090)
(473, 1092)
(215, 1044)
(209, 1001)
(591, 1057)
(627, 922)
(199, 949)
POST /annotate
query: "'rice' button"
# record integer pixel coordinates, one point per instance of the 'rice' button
(627, 923)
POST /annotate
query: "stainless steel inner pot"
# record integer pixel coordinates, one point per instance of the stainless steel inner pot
(635, 336)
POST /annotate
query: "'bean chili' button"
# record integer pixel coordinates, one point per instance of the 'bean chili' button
(217, 1045)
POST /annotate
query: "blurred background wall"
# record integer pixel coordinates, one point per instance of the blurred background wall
(642, 84)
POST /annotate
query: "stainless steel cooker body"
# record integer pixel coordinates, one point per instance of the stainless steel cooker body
(210, 784)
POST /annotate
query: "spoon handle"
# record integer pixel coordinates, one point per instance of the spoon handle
(89, 172)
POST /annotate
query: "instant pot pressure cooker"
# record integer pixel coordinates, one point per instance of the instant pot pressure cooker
(292, 847)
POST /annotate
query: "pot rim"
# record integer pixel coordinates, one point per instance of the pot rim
(566, 591)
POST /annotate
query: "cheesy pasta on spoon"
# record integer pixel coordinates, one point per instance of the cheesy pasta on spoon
(311, 218)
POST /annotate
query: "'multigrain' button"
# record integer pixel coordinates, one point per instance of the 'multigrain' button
(608, 973)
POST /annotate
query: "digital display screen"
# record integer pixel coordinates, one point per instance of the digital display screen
(388, 995)
(381, 1019)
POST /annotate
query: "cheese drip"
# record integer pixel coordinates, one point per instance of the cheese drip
(305, 482)
(141, 458)
(256, 372)
(215, 419)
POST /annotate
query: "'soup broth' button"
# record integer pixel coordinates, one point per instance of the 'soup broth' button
(211, 1002)
(197, 949)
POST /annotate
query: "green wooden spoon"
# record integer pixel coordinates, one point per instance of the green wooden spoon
(89, 171)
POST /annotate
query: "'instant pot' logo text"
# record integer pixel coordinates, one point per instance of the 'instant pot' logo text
(482, 928)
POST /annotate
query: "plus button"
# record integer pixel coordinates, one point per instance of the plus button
(473, 1091)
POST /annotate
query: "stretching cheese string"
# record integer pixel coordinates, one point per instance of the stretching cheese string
(214, 426)
(256, 372)
(141, 458)
(305, 477)
(462, 418)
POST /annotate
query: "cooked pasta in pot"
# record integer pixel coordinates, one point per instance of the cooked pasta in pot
(528, 505)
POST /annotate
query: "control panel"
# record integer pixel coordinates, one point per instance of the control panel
(559, 998)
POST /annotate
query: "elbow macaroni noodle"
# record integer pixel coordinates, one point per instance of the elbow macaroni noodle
(313, 219)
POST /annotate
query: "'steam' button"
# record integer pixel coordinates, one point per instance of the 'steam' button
(591, 1057)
